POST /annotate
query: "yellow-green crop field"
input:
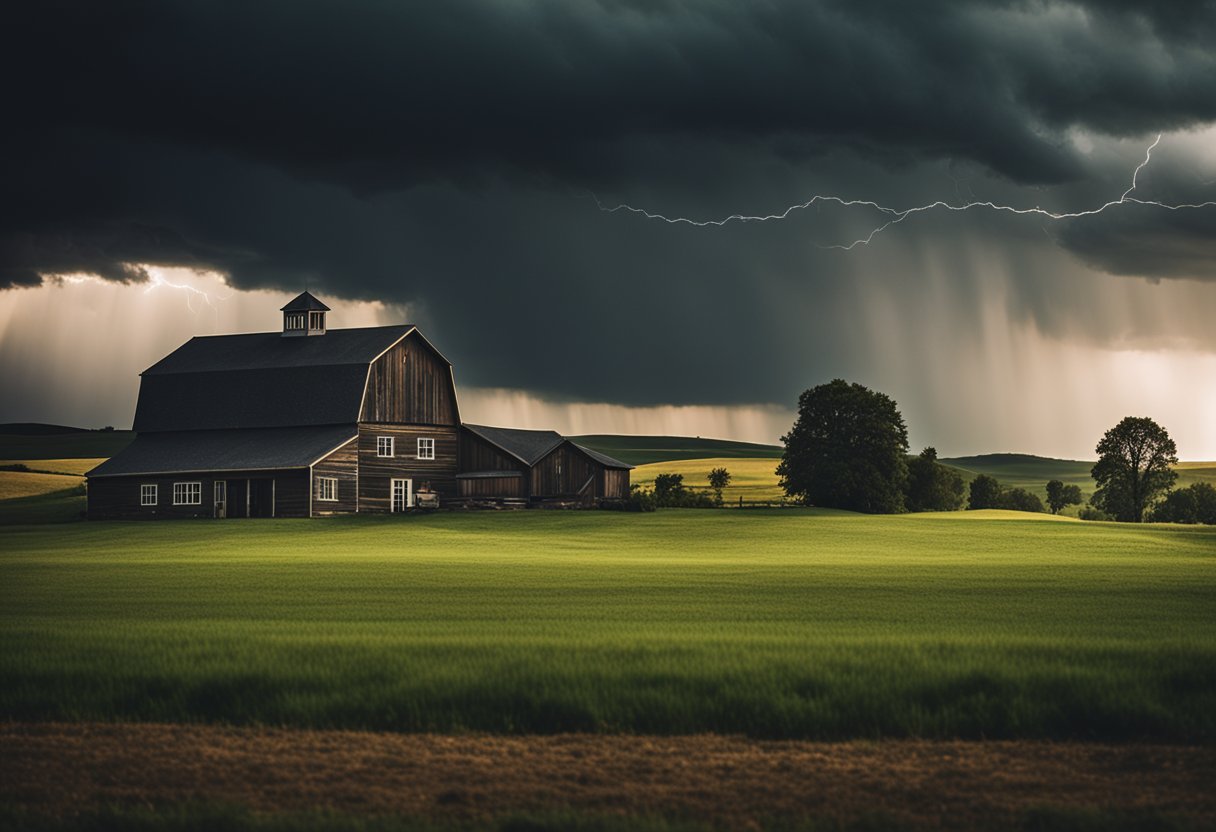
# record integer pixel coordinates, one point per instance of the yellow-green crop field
(780, 623)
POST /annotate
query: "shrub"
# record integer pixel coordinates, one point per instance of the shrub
(1092, 513)
(1194, 504)
(1019, 499)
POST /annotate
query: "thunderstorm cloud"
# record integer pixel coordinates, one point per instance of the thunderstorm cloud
(448, 157)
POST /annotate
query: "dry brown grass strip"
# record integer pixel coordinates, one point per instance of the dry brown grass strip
(731, 780)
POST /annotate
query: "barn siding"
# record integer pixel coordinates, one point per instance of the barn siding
(616, 483)
(563, 472)
(117, 498)
(492, 487)
(376, 473)
(410, 383)
(476, 454)
(342, 465)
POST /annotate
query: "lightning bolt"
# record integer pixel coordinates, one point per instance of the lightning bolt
(156, 280)
(897, 216)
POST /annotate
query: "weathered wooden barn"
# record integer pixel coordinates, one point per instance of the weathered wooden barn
(312, 421)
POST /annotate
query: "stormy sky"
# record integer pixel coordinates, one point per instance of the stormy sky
(443, 162)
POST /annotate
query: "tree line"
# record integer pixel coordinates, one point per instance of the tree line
(848, 449)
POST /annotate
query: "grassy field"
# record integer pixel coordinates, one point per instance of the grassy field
(755, 480)
(642, 450)
(783, 623)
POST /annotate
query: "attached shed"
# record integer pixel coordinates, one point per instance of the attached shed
(536, 465)
(573, 472)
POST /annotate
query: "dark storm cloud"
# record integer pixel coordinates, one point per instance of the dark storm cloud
(436, 154)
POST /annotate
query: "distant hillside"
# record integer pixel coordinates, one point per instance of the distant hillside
(642, 450)
(1025, 470)
(37, 429)
(38, 441)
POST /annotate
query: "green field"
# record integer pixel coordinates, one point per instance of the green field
(782, 623)
(642, 450)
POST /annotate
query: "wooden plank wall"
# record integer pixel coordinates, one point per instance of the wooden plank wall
(343, 465)
(492, 487)
(616, 483)
(563, 472)
(376, 473)
(117, 498)
(476, 454)
(410, 383)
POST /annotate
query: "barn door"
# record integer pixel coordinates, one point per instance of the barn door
(221, 498)
(402, 496)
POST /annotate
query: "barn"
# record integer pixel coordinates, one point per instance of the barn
(311, 421)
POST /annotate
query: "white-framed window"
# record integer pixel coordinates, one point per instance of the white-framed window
(187, 493)
(148, 495)
(295, 320)
(327, 489)
(426, 448)
(386, 446)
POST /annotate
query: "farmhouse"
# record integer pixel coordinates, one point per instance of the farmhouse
(312, 421)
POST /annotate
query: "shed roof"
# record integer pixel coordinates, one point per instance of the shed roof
(602, 459)
(528, 446)
(225, 450)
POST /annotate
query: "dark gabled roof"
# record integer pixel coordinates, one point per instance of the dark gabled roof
(225, 450)
(305, 302)
(602, 459)
(262, 380)
(266, 350)
(528, 446)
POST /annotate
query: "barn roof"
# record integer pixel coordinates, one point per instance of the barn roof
(225, 450)
(602, 459)
(270, 350)
(528, 446)
(262, 380)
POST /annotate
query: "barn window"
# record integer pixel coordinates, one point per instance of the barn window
(426, 448)
(327, 489)
(147, 495)
(385, 446)
(187, 493)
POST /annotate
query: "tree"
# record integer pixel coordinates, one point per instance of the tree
(985, 493)
(1134, 466)
(668, 489)
(931, 485)
(719, 478)
(847, 449)
(1060, 495)
(1019, 499)
(1194, 504)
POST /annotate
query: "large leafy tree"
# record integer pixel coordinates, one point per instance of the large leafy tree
(1135, 460)
(847, 449)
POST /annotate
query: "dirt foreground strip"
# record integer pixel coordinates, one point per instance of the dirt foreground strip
(732, 781)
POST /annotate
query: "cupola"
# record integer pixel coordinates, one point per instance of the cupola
(304, 316)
